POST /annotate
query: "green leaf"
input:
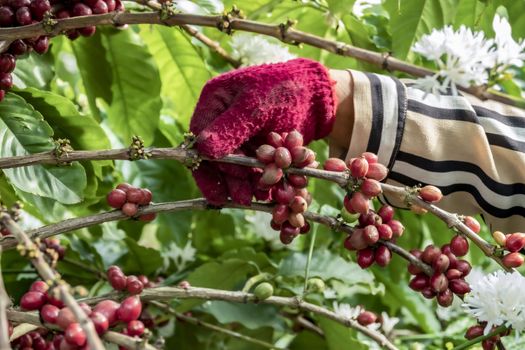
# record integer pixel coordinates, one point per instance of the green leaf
(339, 337)
(136, 104)
(409, 19)
(140, 260)
(249, 315)
(184, 72)
(34, 70)
(26, 132)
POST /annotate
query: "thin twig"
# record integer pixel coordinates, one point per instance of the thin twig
(52, 278)
(170, 293)
(8, 242)
(283, 32)
(198, 322)
(4, 304)
(31, 317)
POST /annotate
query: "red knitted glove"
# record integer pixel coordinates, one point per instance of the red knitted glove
(238, 109)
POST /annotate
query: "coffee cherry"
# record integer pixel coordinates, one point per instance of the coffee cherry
(463, 266)
(280, 213)
(147, 197)
(371, 188)
(265, 154)
(118, 280)
(397, 228)
(419, 282)
(271, 175)
(288, 233)
(499, 237)
(459, 286)
(441, 263)
(459, 245)
(377, 172)
(453, 274)
(513, 260)
(428, 293)
(39, 286)
(365, 257)
(7, 16)
(135, 328)
(305, 228)
(100, 7)
(130, 209)
(283, 158)
(298, 204)
(32, 300)
(87, 31)
(148, 217)
(474, 332)
(74, 335)
(18, 47)
(6, 81)
(302, 156)
(438, 282)
(7, 62)
(26, 341)
(383, 256)
(297, 181)
(293, 139)
(109, 309)
(23, 16)
(430, 194)
(445, 298)
(134, 286)
(263, 291)
(39, 8)
(357, 240)
(371, 234)
(385, 232)
(130, 309)
(359, 202)
(296, 220)
(135, 195)
(335, 164)
(49, 313)
(386, 213)
(472, 224)
(366, 318)
(116, 198)
(430, 254)
(80, 9)
(359, 168)
(274, 139)
(488, 344)
(515, 242)
(65, 318)
(100, 322)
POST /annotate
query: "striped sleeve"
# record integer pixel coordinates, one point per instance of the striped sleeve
(473, 150)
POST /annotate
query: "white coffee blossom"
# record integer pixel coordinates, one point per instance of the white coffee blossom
(179, 256)
(388, 323)
(498, 299)
(361, 5)
(255, 49)
(465, 57)
(347, 311)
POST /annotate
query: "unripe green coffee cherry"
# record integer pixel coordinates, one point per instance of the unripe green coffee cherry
(263, 291)
(315, 285)
(349, 217)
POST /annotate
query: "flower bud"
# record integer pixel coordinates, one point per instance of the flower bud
(265, 154)
(335, 164)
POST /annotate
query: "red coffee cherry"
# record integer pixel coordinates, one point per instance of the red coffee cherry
(430, 254)
(118, 280)
(39, 286)
(100, 322)
(453, 274)
(305, 228)
(265, 154)
(366, 318)
(288, 233)
(130, 209)
(386, 213)
(474, 332)
(335, 164)
(365, 257)
(464, 267)
(357, 240)
(109, 309)
(116, 198)
(148, 217)
(515, 242)
(371, 234)
(293, 139)
(459, 286)
(385, 232)
(49, 313)
(441, 263)
(297, 181)
(430, 194)
(298, 204)
(274, 139)
(124, 187)
(397, 228)
(488, 344)
(271, 175)
(280, 213)
(135, 328)
(359, 167)
(377, 172)
(359, 202)
(135, 195)
(370, 157)
(513, 260)
(459, 245)
(371, 188)
(445, 298)
(130, 309)
(283, 158)
(419, 282)
(302, 156)
(65, 318)
(134, 285)
(383, 256)
(472, 224)
(438, 282)
(74, 335)
(32, 300)
(283, 193)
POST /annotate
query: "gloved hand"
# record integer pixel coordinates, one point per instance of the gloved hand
(236, 111)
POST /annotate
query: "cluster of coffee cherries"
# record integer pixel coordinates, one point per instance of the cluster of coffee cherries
(477, 331)
(129, 199)
(133, 284)
(288, 191)
(372, 227)
(513, 243)
(14, 13)
(449, 271)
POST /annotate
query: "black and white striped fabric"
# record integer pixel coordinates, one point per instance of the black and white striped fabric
(473, 150)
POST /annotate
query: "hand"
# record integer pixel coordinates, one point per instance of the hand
(238, 109)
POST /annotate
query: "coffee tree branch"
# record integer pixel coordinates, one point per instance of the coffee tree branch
(229, 23)
(188, 156)
(51, 277)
